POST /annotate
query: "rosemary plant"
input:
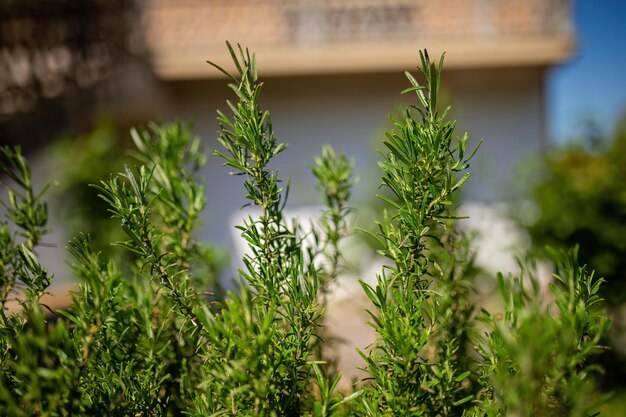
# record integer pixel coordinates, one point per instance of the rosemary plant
(334, 178)
(263, 336)
(144, 336)
(414, 295)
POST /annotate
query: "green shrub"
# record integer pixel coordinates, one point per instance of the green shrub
(143, 339)
(581, 198)
(75, 203)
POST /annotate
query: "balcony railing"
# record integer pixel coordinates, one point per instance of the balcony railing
(306, 22)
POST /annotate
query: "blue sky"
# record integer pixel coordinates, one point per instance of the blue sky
(592, 84)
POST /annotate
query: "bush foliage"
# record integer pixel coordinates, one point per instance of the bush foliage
(582, 201)
(145, 339)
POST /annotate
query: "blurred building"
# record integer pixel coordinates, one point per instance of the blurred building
(333, 69)
(59, 62)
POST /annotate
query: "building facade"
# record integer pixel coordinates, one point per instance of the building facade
(333, 70)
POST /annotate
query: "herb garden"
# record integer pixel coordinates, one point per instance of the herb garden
(146, 336)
